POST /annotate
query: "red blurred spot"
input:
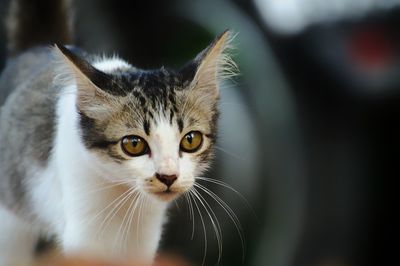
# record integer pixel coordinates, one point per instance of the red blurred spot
(372, 48)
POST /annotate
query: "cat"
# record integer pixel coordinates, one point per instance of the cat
(92, 149)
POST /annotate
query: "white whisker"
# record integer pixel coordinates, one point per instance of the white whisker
(204, 227)
(215, 224)
(102, 188)
(124, 224)
(230, 153)
(177, 205)
(229, 212)
(191, 212)
(141, 199)
(93, 218)
(133, 213)
(110, 216)
(225, 185)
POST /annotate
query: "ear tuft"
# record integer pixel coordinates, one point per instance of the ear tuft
(215, 64)
(219, 53)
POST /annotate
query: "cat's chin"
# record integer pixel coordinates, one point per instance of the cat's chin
(166, 196)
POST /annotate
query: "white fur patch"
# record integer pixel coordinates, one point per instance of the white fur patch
(16, 240)
(110, 64)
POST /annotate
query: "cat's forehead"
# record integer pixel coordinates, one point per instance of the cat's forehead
(149, 97)
(147, 83)
(159, 97)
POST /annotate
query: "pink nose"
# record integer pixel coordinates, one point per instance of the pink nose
(168, 180)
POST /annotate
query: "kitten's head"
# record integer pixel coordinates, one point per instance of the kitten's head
(153, 129)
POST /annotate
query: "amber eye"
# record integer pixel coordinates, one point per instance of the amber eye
(192, 141)
(134, 145)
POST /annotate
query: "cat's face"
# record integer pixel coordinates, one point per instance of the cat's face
(154, 130)
(159, 135)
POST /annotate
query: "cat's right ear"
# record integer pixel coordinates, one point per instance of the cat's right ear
(91, 99)
(211, 66)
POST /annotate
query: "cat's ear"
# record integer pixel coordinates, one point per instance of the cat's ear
(91, 99)
(212, 65)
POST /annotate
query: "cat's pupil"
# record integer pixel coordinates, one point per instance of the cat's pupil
(189, 138)
(135, 142)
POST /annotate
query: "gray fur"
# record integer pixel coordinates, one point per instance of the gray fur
(26, 121)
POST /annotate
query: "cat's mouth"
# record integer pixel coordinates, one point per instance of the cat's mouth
(167, 195)
(164, 192)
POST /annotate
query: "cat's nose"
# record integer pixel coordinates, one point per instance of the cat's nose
(168, 180)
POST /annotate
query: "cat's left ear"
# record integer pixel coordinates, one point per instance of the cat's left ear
(92, 99)
(212, 65)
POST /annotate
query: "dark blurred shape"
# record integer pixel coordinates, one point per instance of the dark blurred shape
(3, 9)
(345, 76)
(26, 17)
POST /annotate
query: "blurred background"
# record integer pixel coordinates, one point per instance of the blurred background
(308, 130)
